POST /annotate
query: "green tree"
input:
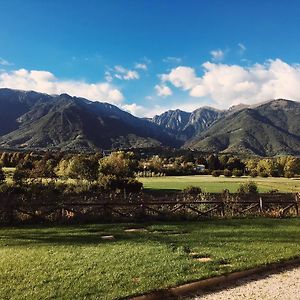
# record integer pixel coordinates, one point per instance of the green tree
(84, 168)
(119, 164)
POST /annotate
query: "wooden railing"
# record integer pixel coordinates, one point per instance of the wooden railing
(105, 208)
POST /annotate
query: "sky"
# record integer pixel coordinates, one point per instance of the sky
(148, 56)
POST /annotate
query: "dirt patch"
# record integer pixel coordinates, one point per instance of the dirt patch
(203, 259)
(107, 237)
(135, 230)
(199, 257)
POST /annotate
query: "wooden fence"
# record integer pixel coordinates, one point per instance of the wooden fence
(107, 208)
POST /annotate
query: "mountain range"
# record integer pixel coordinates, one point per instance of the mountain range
(31, 120)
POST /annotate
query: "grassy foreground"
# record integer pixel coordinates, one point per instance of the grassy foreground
(73, 262)
(218, 184)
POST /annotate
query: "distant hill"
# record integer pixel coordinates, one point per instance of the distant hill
(31, 120)
(185, 125)
(272, 128)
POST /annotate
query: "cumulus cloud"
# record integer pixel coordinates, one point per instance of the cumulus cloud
(232, 84)
(125, 74)
(181, 77)
(135, 109)
(217, 55)
(44, 81)
(163, 90)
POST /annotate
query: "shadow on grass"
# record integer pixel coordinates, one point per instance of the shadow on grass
(210, 233)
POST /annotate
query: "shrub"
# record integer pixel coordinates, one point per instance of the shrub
(113, 183)
(192, 190)
(289, 174)
(263, 174)
(253, 173)
(216, 173)
(248, 188)
(2, 176)
(227, 173)
(237, 173)
(19, 176)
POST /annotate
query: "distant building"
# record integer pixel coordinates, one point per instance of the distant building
(200, 167)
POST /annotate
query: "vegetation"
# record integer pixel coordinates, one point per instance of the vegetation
(74, 262)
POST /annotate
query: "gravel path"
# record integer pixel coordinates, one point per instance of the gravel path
(284, 286)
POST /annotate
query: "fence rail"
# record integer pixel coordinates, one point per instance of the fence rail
(142, 207)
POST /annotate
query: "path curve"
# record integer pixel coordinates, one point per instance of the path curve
(280, 286)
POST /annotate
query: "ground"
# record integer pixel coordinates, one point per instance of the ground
(212, 184)
(281, 285)
(75, 262)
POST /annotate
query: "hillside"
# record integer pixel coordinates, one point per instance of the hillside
(31, 120)
(185, 125)
(38, 121)
(272, 128)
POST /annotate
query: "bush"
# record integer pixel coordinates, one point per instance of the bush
(192, 190)
(216, 173)
(19, 176)
(248, 188)
(289, 174)
(263, 174)
(253, 173)
(2, 176)
(113, 183)
(237, 173)
(227, 173)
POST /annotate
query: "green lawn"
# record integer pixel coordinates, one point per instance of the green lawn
(73, 262)
(218, 184)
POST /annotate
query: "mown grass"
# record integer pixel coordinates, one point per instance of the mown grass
(218, 184)
(73, 262)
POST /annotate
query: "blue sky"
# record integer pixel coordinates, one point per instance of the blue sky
(149, 56)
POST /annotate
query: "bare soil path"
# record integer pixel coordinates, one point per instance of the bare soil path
(284, 286)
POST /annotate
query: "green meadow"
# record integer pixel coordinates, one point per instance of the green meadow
(212, 184)
(74, 262)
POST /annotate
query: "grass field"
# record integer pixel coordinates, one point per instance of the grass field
(73, 262)
(218, 184)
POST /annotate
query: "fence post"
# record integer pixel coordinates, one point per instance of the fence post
(260, 204)
(297, 198)
(222, 209)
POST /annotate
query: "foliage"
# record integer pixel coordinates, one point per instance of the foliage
(120, 164)
(83, 168)
(237, 172)
(227, 173)
(216, 173)
(2, 176)
(192, 190)
(249, 187)
(114, 183)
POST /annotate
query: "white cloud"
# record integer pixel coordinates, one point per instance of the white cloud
(125, 74)
(44, 81)
(141, 66)
(163, 90)
(172, 59)
(181, 77)
(217, 55)
(4, 62)
(135, 109)
(242, 48)
(232, 84)
(130, 75)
